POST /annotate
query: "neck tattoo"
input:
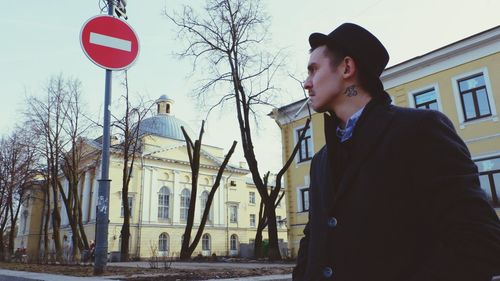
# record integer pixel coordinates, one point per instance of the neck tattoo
(351, 91)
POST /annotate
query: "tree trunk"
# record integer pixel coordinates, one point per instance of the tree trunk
(2, 246)
(125, 232)
(257, 247)
(274, 250)
(56, 226)
(46, 226)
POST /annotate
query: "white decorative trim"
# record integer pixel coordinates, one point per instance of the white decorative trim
(480, 157)
(469, 49)
(435, 86)
(458, 101)
(482, 138)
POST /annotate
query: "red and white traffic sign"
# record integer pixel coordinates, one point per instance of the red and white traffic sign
(109, 42)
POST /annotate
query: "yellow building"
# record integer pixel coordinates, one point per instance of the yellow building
(462, 80)
(159, 194)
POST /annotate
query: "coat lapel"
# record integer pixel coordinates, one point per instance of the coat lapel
(367, 134)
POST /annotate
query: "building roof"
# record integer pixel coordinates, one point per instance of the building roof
(164, 123)
(167, 126)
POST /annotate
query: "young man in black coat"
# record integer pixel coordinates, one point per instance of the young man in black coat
(394, 194)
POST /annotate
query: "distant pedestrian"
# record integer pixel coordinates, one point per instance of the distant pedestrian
(92, 251)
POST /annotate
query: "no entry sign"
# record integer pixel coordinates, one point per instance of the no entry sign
(109, 42)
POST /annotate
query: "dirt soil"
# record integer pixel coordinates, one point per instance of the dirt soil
(140, 274)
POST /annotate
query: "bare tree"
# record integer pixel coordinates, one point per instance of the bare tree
(56, 122)
(194, 153)
(229, 37)
(75, 128)
(18, 172)
(129, 131)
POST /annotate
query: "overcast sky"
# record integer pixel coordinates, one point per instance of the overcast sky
(40, 39)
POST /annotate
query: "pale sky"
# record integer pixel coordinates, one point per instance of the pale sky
(40, 39)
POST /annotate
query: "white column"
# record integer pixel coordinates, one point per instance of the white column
(176, 199)
(95, 191)
(148, 174)
(86, 197)
(64, 214)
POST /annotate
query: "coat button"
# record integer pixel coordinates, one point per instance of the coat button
(327, 272)
(332, 222)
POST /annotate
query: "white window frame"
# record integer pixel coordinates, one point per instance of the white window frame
(458, 100)
(435, 86)
(131, 206)
(233, 207)
(206, 242)
(254, 222)
(184, 209)
(296, 139)
(298, 192)
(165, 251)
(233, 242)
(203, 204)
(169, 194)
(251, 197)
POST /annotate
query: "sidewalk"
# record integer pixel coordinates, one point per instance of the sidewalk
(12, 275)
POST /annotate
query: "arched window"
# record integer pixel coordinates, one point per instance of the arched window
(163, 242)
(234, 242)
(163, 203)
(205, 242)
(203, 204)
(185, 198)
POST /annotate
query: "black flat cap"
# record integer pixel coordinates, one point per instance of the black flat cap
(358, 43)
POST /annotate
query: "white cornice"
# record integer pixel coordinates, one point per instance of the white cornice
(286, 114)
(466, 50)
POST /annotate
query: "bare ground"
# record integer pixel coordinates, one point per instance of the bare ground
(140, 274)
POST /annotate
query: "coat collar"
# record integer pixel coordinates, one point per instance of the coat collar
(367, 133)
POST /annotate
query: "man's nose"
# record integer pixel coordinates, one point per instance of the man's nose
(307, 84)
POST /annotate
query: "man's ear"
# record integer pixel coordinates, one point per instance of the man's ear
(349, 67)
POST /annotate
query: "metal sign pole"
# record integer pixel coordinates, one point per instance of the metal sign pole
(102, 214)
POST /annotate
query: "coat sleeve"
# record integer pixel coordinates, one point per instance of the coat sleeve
(457, 213)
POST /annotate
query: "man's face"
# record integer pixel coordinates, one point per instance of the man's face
(323, 82)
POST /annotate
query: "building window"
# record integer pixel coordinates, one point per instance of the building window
(234, 242)
(279, 222)
(185, 199)
(306, 147)
(163, 203)
(474, 97)
(489, 178)
(130, 205)
(233, 213)
(163, 242)
(426, 99)
(203, 202)
(252, 220)
(205, 242)
(304, 198)
(251, 197)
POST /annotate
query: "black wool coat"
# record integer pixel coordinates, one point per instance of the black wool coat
(408, 206)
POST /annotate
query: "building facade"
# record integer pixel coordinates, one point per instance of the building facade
(159, 196)
(462, 80)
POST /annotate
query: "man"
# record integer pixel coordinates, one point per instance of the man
(394, 195)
